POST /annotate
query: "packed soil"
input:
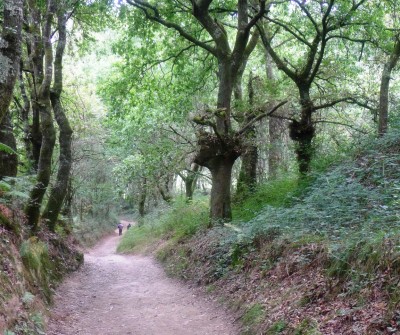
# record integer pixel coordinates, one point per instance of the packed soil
(130, 294)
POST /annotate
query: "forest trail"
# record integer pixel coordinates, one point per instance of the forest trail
(116, 294)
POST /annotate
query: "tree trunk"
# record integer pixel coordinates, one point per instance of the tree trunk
(142, 198)
(59, 190)
(248, 170)
(303, 131)
(221, 173)
(8, 162)
(384, 90)
(25, 108)
(276, 129)
(219, 155)
(218, 152)
(164, 189)
(68, 201)
(10, 51)
(44, 169)
(36, 135)
(190, 181)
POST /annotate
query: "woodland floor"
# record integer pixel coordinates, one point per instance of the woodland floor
(125, 294)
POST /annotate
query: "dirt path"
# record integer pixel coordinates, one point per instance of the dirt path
(116, 294)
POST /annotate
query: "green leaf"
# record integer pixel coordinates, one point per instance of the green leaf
(7, 149)
(5, 187)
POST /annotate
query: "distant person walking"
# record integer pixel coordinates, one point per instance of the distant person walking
(120, 226)
(129, 225)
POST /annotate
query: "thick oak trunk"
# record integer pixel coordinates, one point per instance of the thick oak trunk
(221, 190)
(303, 132)
(219, 155)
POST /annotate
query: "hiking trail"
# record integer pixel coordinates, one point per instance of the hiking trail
(116, 294)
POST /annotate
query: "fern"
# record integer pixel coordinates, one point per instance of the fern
(5, 148)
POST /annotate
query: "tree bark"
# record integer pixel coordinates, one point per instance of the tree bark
(10, 51)
(25, 109)
(219, 155)
(142, 198)
(59, 189)
(44, 169)
(221, 173)
(248, 171)
(8, 162)
(384, 90)
(190, 181)
(276, 129)
(303, 131)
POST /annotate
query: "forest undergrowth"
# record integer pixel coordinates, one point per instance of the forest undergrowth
(321, 256)
(30, 269)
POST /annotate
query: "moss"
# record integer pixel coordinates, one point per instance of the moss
(307, 327)
(277, 328)
(253, 316)
(13, 227)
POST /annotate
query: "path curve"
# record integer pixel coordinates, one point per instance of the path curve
(116, 294)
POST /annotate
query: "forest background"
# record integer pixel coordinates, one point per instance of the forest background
(253, 121)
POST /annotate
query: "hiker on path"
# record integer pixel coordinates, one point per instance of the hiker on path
(120, 226)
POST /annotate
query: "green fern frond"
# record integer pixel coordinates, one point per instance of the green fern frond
(5, 148)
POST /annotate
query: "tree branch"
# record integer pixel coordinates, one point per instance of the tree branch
(342, 124)
(156, 17)
(332, 103)
(259, 117)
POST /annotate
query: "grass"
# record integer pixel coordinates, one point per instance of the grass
(252, 317)
(174, 223)
(273, 193)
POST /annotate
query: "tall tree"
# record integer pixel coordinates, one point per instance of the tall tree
(217, 150)
(311, 26)
(44, 52)
(59, 189)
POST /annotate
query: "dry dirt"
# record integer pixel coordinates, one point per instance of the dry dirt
(116, 294)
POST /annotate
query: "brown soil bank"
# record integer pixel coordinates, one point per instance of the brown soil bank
(119, 294)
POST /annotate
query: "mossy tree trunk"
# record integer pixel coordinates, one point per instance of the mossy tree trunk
(59, 189)
(32, 209)
(10, 51)
(190, 181)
